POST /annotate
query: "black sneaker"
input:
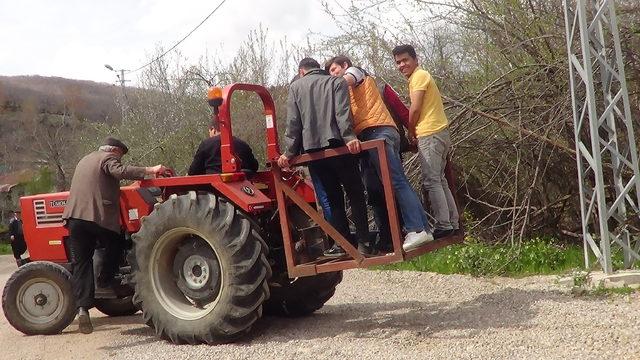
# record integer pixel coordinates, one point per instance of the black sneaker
(387, 249)
(335, 251)
(439, 233)
(383, 245)
(367, 249)
(84, 321)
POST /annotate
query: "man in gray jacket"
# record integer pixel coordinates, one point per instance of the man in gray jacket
(318, 118)
(92, 214)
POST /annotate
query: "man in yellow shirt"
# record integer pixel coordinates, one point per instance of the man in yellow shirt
(428, 125)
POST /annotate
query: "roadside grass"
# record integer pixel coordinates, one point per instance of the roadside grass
(538, 256)
(604, 291)
(5, 249)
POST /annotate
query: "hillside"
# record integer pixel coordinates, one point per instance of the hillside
(41, 117)
(88, 100)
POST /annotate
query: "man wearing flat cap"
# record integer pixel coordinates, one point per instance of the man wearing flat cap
(18, 245)
(92, 214)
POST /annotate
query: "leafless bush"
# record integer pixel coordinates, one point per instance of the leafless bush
(501, 66)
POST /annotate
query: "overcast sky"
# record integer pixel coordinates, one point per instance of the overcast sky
(75, 38)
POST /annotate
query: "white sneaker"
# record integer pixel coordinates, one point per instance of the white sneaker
(414, 240)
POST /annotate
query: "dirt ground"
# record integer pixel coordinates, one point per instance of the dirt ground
(384, 315)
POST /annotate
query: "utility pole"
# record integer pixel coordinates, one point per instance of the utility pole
(607, 157)
(122, 81)
(120, 76)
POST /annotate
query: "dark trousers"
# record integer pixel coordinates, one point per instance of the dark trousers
(376, 199)
(18, 246)
(84, 237)
(335, 173)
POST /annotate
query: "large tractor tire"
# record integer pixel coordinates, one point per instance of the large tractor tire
(117, 307)
(302, 296)
(38, 299)
(200, 270)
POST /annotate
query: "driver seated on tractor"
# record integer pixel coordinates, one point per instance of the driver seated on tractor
(207, 159)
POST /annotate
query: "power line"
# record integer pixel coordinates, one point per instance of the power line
(181, 40)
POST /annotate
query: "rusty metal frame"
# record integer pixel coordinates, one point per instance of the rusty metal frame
(230, 162)
(355, 260)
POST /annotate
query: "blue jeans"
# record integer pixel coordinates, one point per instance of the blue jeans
(321, 194)
(407, 200)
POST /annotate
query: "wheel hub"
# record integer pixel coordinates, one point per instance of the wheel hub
(196, 272)
(40, 300)
(196, 269)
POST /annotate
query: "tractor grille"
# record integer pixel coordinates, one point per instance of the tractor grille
(42, 218)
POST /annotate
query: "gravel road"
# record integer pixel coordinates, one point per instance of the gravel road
(385, 315)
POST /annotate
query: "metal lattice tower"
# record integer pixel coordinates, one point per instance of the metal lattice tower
(607, 157)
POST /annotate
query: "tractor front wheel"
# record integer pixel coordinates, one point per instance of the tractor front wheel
(38, 299)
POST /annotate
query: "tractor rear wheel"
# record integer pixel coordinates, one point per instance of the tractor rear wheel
(200, 270)
(38, 299)
(302, 296)
(117, 307)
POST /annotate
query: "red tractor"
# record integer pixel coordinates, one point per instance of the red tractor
(207, 255)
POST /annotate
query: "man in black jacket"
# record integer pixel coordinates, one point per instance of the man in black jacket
(207, 159)
(18, 245)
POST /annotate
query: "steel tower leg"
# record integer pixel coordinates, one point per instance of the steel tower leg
(607, 157)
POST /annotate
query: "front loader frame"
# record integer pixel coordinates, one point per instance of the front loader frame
(286, 194)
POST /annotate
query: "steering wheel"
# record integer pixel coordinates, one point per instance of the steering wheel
(168, 172)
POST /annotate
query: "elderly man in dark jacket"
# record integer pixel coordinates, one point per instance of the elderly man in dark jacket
(18, 245)
(93, 217)
(318, 118)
